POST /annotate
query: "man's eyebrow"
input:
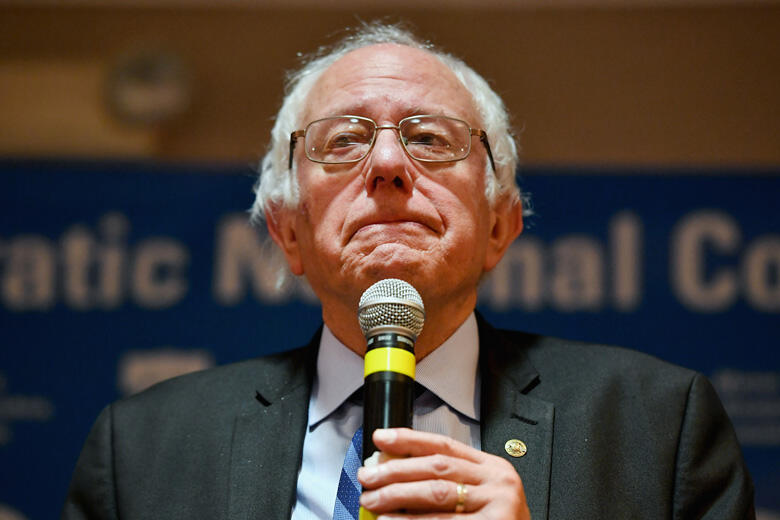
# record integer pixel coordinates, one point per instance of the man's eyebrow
(347, 110)
(365, 110)
(420, 110)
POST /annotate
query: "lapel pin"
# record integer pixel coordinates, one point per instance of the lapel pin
(515, 447)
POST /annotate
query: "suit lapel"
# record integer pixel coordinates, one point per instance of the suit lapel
(508, 412)
(268, 436)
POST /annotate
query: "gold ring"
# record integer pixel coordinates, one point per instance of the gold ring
(460, 505)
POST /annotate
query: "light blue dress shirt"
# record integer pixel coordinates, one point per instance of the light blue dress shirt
(450, 406)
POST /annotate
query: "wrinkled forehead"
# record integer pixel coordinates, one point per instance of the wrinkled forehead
(389, 81)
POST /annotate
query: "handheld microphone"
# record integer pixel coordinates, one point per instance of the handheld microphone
(391, 315)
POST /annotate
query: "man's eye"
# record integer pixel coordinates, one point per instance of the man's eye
(343, 140)
(427, 139)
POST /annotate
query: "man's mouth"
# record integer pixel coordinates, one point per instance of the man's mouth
(400, 226)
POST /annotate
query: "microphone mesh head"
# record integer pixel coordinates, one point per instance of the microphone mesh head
(391, 303)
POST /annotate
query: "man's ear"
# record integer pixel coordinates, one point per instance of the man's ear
(280, 222)
(507, 224)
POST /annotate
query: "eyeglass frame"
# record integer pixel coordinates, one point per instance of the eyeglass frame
(472, 132)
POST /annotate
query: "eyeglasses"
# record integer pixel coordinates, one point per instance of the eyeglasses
(349, 139)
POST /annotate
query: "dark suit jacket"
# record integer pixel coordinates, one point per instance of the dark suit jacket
(611, 434)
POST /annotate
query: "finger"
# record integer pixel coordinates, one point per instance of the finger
(425, 516)
(422, 497)
(430, 467)
(403, 442)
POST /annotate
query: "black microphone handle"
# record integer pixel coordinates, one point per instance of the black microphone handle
(388, 386)
(388, 402)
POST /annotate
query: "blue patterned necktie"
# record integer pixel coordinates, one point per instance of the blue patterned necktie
(348, 495)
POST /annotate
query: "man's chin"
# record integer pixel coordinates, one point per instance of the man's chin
(395, 261)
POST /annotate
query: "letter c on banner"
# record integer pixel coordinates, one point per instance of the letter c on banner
(690, 281)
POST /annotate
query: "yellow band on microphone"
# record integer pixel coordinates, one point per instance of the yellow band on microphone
(388, 359)
(365, 514)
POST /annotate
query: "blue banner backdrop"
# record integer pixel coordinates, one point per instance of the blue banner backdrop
(116, 275)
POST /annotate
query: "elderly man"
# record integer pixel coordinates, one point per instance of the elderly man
(392, 160)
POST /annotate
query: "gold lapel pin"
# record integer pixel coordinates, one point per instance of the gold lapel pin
(515, 447)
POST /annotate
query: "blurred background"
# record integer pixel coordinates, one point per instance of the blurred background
(604, 82)
(129, 131)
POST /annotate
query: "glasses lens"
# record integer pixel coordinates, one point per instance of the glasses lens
(339, 139)
(436, 138)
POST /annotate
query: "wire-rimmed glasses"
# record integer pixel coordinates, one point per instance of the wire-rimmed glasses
(349, 139)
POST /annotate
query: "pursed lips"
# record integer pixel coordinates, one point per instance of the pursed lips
(400, 223)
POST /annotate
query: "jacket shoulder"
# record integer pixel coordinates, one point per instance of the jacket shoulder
(582, 362)
(222, 389)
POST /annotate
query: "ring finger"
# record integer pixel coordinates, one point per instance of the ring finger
(425, 496)
(432, 467)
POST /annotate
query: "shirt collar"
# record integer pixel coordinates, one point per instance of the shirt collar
(339, 374)
(450, 372)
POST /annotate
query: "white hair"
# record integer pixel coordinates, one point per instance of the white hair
(277, 185)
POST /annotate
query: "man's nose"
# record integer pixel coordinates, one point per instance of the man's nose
(388, 163)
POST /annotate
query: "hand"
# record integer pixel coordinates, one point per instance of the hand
(424, 483)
